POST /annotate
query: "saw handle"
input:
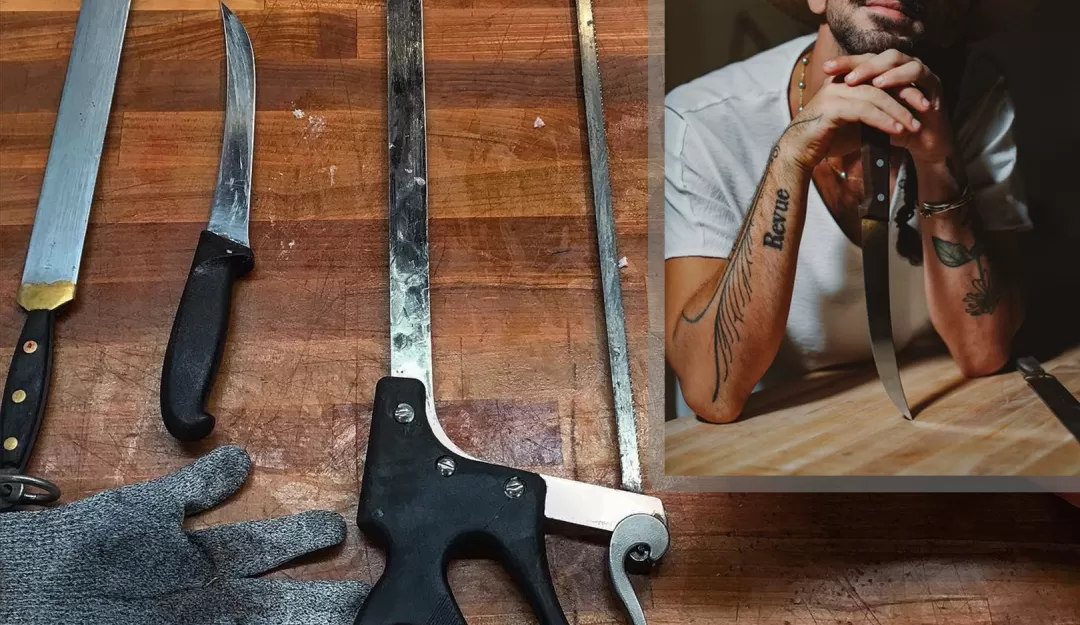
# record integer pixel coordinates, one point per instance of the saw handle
(198, 335)
(425, 505)
(26, 390)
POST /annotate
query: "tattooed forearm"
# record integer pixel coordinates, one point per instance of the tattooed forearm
(985, 296)
(775, 239)
(733, 293)
(731, 297)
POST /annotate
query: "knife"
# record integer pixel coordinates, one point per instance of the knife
(874, 215)
(222, 257)
(422, 499)
(1053, 393)
(56, 240)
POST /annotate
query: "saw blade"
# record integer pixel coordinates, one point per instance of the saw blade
(614, 315)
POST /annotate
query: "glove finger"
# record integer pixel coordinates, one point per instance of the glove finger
(209, 480)
(255, 547)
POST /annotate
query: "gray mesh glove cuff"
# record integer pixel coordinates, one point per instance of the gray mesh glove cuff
(122, 557)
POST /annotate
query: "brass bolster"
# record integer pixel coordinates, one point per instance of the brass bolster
(38, 296)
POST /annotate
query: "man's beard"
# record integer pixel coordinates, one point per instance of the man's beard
(855, 41)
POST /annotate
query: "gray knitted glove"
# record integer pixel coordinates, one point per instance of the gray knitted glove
(122, 557)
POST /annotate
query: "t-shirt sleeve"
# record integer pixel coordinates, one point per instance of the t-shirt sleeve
(987, 143)
(701, 216)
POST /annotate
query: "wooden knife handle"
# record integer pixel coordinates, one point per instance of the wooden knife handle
(23, 405)
(198, 335)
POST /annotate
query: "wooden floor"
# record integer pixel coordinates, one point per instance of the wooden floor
(842, 423)
(519, 350)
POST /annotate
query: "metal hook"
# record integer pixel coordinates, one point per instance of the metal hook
(16, 490)
(638, 543)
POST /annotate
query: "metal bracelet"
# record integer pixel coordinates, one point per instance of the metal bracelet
(930, 209)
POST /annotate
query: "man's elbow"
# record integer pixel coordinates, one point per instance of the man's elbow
(719, 410)
(982, 360)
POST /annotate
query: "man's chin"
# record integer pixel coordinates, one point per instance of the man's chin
(875, 41)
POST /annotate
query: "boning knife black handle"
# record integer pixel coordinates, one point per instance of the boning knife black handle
(198, 335)
(877, 185)
(23, 404)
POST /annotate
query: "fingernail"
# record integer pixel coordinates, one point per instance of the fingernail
(899, 127)
(830, 64)
(880, 80)
(852, 77)
(916, 124)
(925, 103)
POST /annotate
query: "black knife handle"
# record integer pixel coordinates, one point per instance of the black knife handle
(23, 404)
(877, 172)
(198, 335)
(423, 514)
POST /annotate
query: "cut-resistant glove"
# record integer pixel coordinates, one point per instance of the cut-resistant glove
(122, 557)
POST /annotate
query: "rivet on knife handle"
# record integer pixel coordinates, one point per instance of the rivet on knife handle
(222, 257)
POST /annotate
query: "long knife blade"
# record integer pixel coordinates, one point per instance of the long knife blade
(56, 241)
(1061, 402)
(63, 212)
(410, 298)
(201, 325)
(874, 214)
(614, 316)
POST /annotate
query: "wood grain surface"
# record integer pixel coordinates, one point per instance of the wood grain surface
(841, 422)
(518, 332)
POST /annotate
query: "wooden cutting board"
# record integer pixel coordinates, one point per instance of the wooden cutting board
(520, 360)
(841, 422)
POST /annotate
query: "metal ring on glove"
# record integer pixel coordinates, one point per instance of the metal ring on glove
(16, 490)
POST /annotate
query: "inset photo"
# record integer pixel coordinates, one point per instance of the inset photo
(871, 240)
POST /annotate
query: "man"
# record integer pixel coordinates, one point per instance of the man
(763, 183)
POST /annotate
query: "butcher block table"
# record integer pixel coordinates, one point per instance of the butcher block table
(520, 359)
(841, 422)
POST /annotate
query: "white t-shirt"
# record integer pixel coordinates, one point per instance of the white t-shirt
(720, 129)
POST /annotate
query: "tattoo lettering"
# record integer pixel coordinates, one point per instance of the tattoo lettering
(775, 239)
(733, 292)
(985, 296)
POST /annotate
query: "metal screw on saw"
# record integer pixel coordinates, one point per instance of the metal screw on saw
(514, 488)
(404, 413)
(446, 465)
